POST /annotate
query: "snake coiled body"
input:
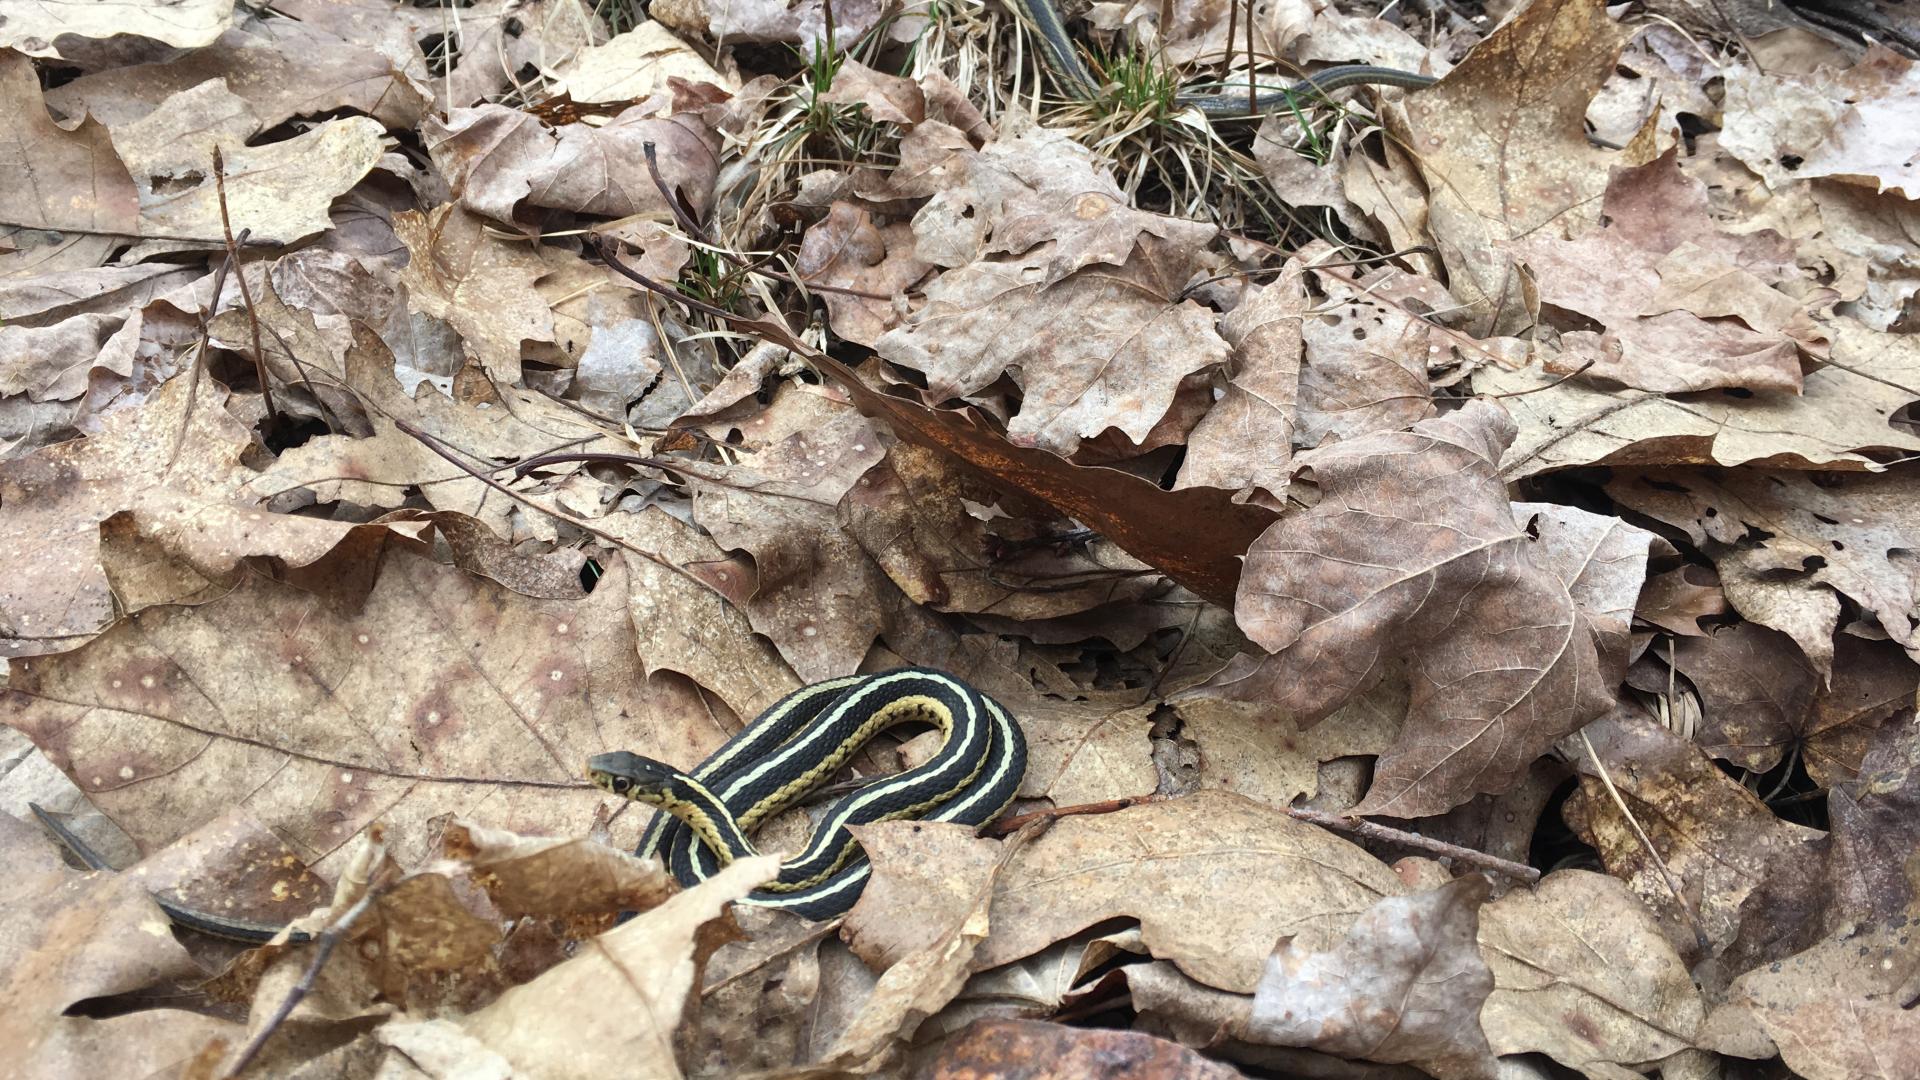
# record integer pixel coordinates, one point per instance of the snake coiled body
(795, 746)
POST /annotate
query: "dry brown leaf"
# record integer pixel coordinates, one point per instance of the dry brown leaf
(1556, 990)
(813, 592)
(71, 179)
(1858, 875)
(1251, 748)
(378, 471)
(1841, 415)
(71, 937)
(554, 877)
(910, 514)
(496, 158)
(804, 24)
(1029, 186)
(1714, 837)
(177, 472)
(1655, 277)
(612, 1009)
(1414, 547)
(1196, 30)
(1366, 368)
(1562, 989)
(637, 64)
(1756, 692)
(1603, 562)
(682, 606)
(1676, 600)
(384, 686)
(1839, 1010)
(1245, 442)
(481, 285)
(311, 374)
(1040, 1051)
(1104, 347)
(283, 67)
(281, 191)
(1872, 681)
(886, 98)
(1785, 544)
(1501, 143)
(1406, 984)
(1185, 869)
(848, 251)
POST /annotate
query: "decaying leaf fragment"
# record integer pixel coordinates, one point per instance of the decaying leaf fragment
(1786, 544)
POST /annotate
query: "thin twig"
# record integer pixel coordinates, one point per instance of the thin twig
(1362, 827)
(1666, 875)
(1526, 875)
(1548, 386)
(199, 358)
(328, 940)
(246, 295)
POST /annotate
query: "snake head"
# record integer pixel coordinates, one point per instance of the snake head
(630, 776)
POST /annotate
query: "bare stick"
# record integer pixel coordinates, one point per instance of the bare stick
(324, 945)
(1526, 875)
(1666, 875)
(246, 295)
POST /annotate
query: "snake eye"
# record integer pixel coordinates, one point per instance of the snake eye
(621, 784)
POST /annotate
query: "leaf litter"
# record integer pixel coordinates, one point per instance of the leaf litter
(1452, 553)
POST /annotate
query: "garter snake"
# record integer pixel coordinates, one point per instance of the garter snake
(1074, 77)
(795, 746)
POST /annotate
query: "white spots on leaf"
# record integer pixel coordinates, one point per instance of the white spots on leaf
(362, 638)
(126, 772)
(556, 675)
(148, 682)
(346, 778)
(562, 628)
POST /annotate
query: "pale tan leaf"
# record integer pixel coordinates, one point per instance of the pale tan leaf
(34, 29)
(635, 65)
(1502, 145)
(67, 179)
(281, 191)
(1183, 868)
(1406, 984)
(1560, 988)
